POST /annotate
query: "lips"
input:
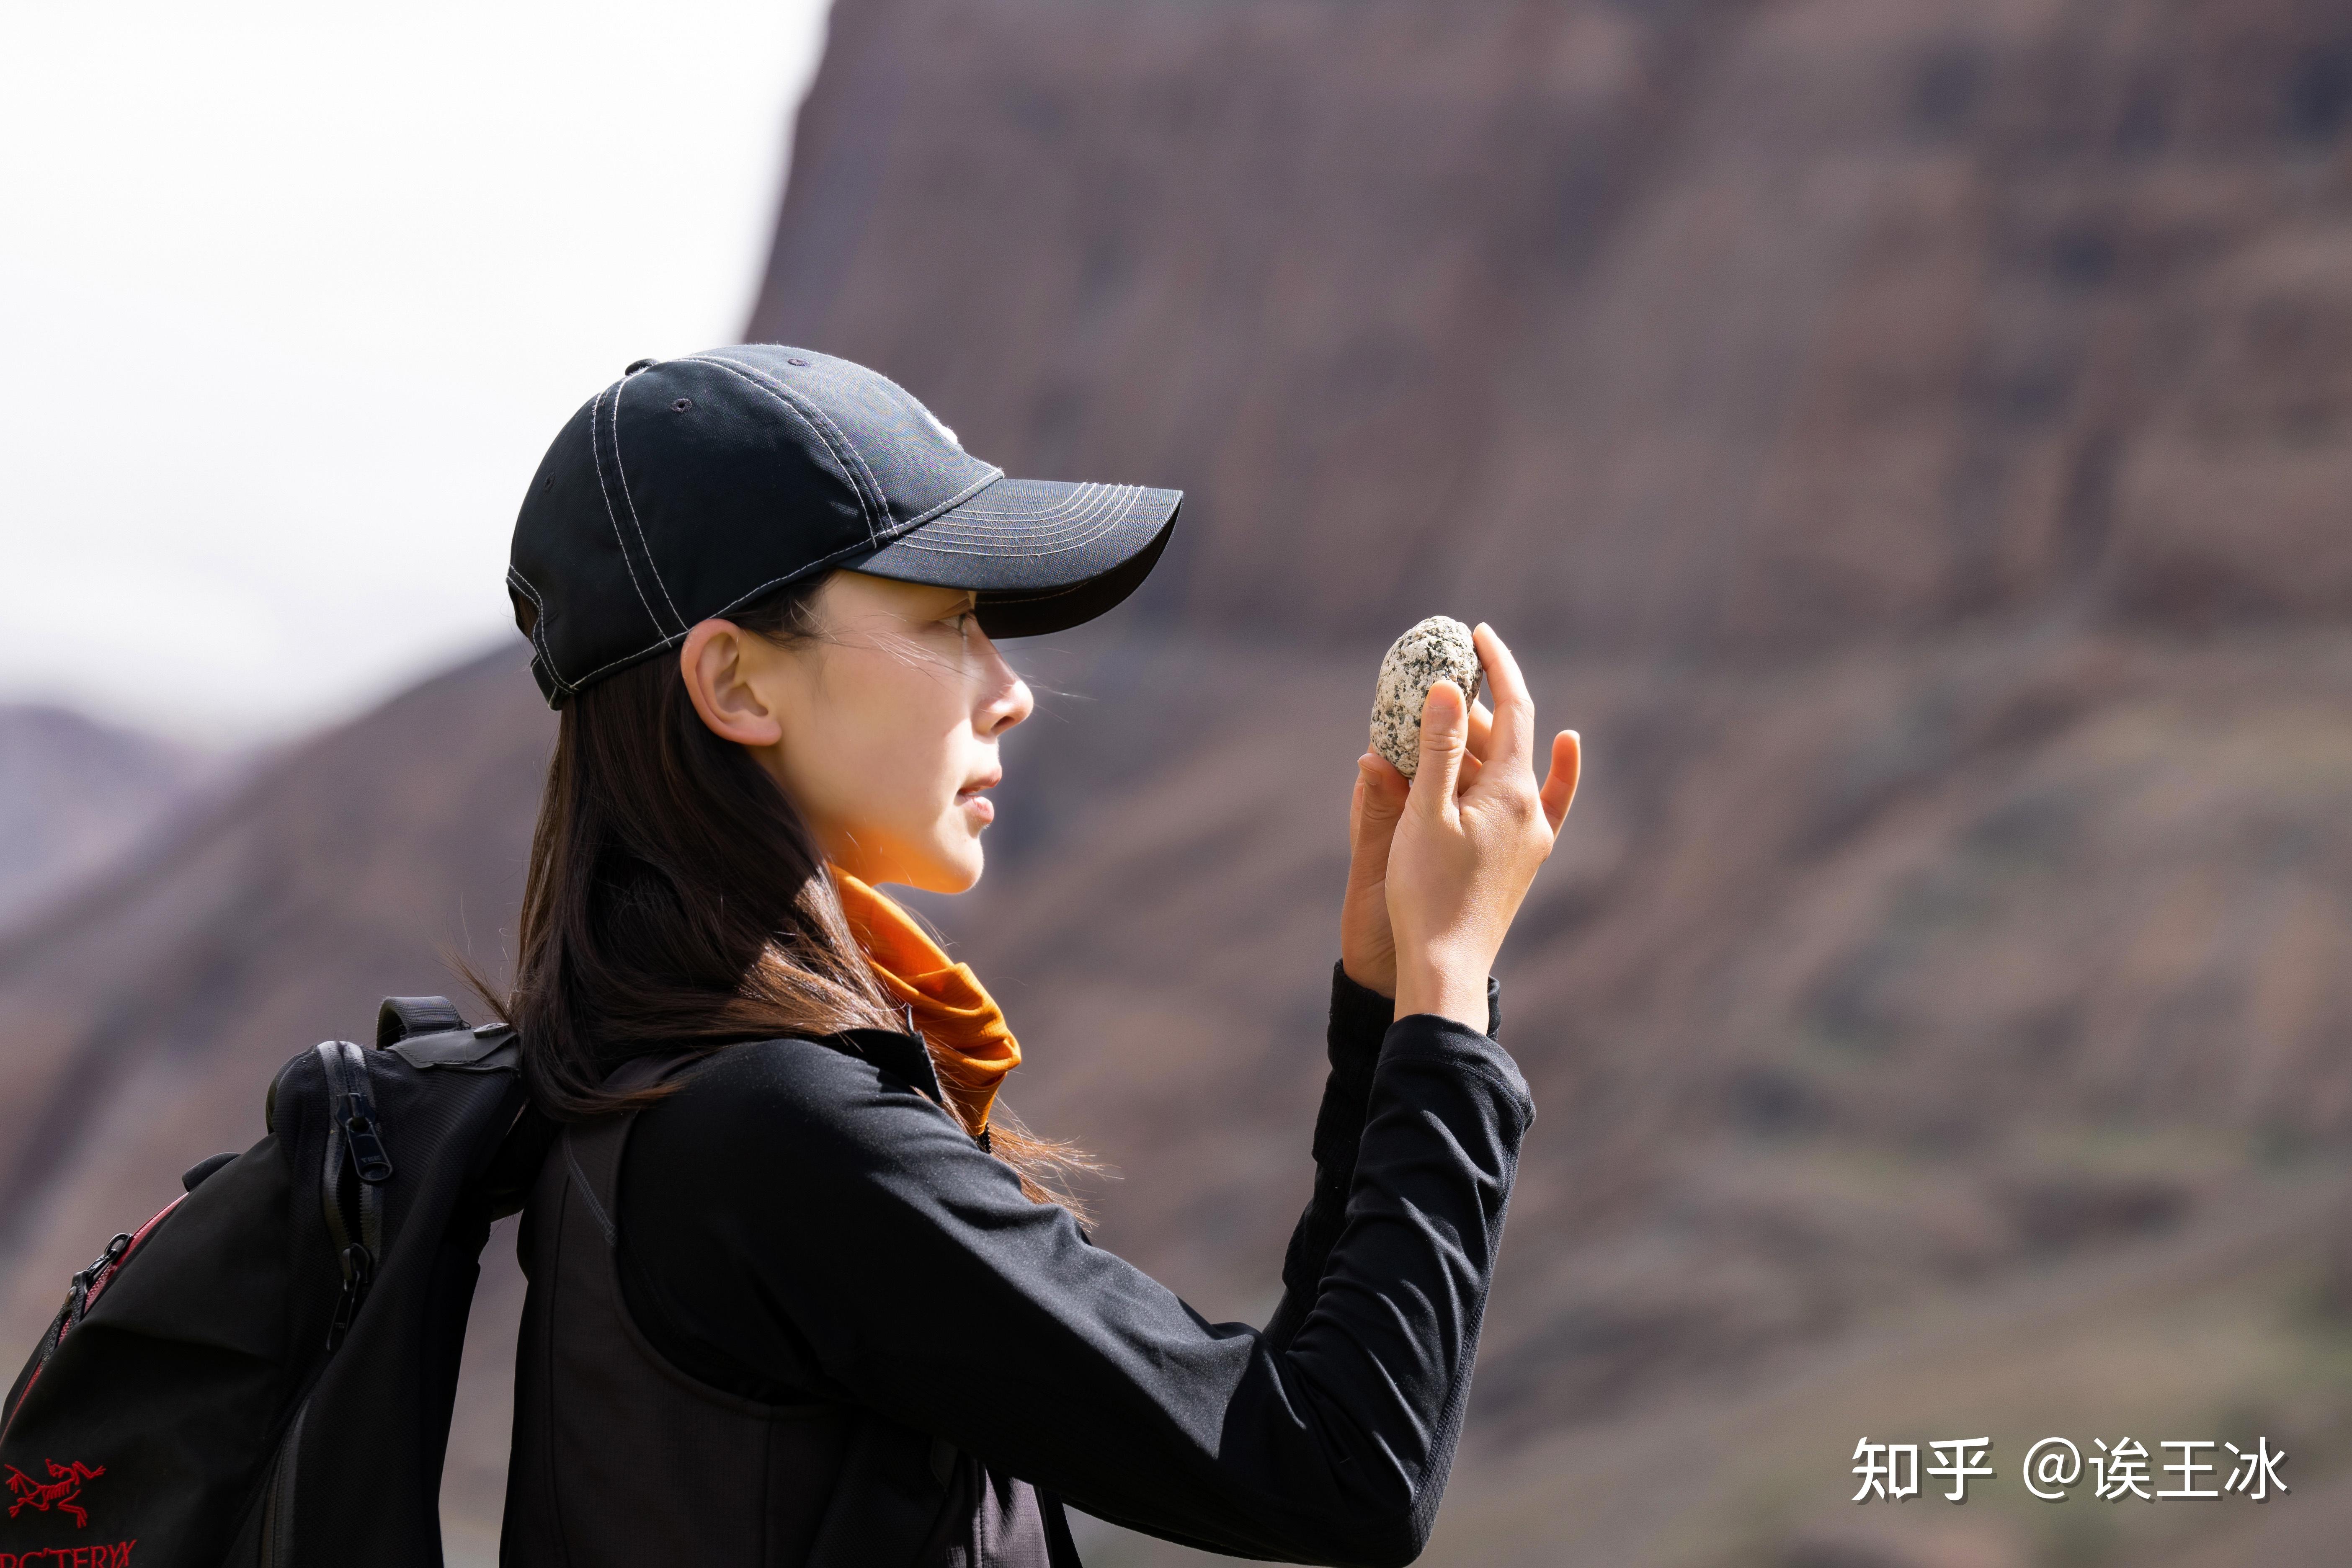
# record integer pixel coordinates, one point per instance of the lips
(971, 795)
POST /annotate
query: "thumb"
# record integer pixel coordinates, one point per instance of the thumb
(1445, 735)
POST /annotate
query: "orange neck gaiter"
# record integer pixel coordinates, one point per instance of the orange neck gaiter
(972, 1050)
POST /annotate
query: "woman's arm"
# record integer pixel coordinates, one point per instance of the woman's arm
(1359, 1018)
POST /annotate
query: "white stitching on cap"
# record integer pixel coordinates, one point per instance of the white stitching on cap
(997, 598)
(618, 389)
(598, 463)
(1071, 509)
(791, 405)
(1077, 495)
(1005, 552)
(1068, 537)
(1123, 514)
(956, 530)
(1076, 499)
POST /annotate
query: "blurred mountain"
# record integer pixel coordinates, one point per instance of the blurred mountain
(1908, 440)
(75, 795)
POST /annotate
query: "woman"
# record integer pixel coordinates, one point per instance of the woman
(800, 1293)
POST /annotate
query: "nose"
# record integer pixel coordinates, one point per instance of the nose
(1007, 699)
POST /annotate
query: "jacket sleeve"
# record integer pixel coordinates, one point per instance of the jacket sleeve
(1360, 1020)
(811, 1218)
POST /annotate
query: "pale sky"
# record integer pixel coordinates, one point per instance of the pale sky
(295, 296)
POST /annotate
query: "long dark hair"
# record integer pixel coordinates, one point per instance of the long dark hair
(678, 900)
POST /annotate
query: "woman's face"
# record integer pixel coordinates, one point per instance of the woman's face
(882, 730)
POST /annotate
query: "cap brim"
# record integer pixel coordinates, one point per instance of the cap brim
(1041, 555)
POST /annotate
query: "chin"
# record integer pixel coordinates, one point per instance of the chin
(954, 871)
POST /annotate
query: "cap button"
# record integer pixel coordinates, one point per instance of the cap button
(637, 364)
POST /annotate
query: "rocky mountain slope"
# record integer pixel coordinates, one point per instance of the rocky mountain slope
(1909, 441)
(76, 794)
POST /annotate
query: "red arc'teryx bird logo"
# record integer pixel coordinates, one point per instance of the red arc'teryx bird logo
(59, 1491)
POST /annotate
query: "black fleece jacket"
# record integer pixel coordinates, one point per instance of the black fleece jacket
(801, 1222)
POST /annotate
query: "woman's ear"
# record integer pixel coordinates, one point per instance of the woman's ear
(720, 664)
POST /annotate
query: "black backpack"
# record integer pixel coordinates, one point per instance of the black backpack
(263, 1374)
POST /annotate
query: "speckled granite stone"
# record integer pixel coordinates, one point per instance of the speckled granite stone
(1439, 648)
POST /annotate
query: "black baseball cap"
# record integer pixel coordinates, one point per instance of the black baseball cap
(692, 487)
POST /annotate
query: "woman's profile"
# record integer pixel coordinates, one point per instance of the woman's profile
(801, 1292)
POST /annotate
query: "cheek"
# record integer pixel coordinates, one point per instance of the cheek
(884, 758)
(907, 782)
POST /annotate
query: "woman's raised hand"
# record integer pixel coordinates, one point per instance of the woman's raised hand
(1367, 947)
(1449, 859)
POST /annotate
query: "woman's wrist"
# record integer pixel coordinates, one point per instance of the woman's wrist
(1448, 989)
(1368, 976)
